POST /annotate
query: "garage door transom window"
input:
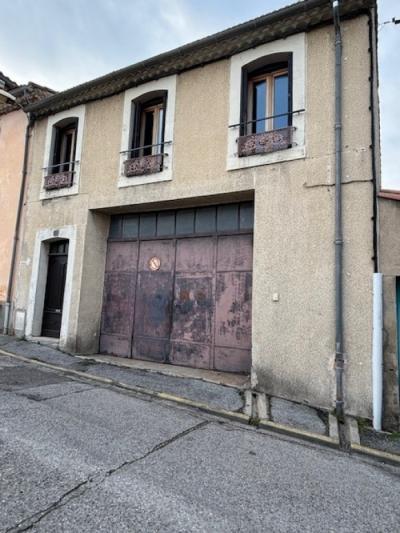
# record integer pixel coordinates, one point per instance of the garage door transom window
(229, 218)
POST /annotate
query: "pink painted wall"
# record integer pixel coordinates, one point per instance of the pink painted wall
(12, 139)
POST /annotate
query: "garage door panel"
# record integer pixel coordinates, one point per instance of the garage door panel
(233, 309)
(151, 349)
(235, 253)
(193, 309)
(122, 257)
(232, 360)
(154, 304)
(195, 255)
(119, 295)
(188, 354)
(164, 250)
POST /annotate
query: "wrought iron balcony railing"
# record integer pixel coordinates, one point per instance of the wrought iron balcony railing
(59, 176)
(139, 164)
(270, 140)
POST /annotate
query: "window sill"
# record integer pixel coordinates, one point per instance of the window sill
(123, 181)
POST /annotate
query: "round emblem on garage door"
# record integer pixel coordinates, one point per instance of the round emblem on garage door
(154, 264)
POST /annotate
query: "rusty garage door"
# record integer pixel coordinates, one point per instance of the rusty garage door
(178, 287)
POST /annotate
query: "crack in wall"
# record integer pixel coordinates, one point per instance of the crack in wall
(95, 481)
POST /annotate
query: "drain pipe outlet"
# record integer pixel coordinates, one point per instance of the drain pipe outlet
(377, 352)
(339, 355)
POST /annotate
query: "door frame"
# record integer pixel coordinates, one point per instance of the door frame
(37, 288)
(52, 259)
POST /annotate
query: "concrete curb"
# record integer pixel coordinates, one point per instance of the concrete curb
(230, 415)
(384, 457)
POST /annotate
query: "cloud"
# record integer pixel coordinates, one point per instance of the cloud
(60, 43)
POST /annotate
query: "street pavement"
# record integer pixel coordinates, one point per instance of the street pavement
(79, 457)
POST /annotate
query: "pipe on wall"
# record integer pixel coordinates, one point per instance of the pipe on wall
(377, 352)
(339, 355)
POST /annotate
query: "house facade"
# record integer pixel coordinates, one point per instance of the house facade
(182, 210)
(13, 127)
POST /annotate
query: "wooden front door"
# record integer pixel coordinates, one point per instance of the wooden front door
(54, 296)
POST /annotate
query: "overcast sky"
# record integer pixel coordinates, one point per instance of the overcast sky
(60, 43)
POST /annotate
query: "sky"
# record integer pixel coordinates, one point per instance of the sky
(61, 43)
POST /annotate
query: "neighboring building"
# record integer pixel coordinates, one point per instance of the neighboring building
(183, 209)
(13, 126)
(389, 265)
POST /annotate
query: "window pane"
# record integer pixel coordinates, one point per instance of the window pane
(166, 224)
(130, 227)
(115, 228)
(228, 217)
(147, 225)
(247, 215)
(160, 130)
(206, 220)
(185, 222)
(148, 131)
(281, 100)
(259, 105)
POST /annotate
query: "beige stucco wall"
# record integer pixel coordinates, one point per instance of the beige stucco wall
(12, 141)
(293, 339)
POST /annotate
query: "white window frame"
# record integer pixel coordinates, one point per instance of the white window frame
(75, 112)
(296, 44)
(167, 84)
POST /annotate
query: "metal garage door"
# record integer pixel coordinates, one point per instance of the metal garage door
(178, 287)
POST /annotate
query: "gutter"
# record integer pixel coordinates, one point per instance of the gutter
(339, 355)
(377, 307)
(8, 303)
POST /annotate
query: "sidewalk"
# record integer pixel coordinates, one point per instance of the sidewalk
(222, 394)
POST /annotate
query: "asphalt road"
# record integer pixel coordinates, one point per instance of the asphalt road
(78, 457)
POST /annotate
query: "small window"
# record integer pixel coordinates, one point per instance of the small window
(266, 106)
(148, 224)
(149, 125)
(268, 101)
(64, 147)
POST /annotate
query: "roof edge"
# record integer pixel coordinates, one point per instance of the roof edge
(74, 96)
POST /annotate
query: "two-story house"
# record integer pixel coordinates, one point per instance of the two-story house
(183, 209)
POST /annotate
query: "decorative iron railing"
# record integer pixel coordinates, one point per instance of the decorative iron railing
(270, 140)
(63, 177)
(139, 164)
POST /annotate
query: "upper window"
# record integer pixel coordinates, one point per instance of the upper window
(148, 132)
(146, 153)
(267, 93)
(64, 149)
(61, 169)
(147, 143)
(266, 106)
(268, 101)
(62, 153)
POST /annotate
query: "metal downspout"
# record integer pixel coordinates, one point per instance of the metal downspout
(17, 228)
(339, 356)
